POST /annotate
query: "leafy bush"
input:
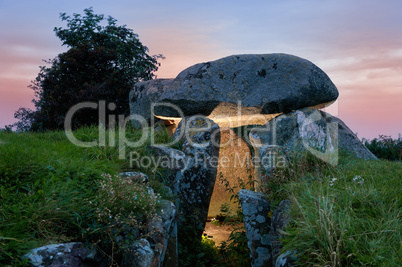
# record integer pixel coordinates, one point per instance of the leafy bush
(384, 147)
(102, 63)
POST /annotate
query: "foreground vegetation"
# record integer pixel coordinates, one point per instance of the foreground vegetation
(343, 215)
(52, 191)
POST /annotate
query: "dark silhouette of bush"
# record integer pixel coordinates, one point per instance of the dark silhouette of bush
(102, 63)
(384, 147)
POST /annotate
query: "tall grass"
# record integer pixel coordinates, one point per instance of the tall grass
(53, 191)
(343, 215)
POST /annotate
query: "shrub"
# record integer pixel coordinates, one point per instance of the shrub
(384, 147)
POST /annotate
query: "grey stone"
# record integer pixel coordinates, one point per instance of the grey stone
(348, 140)
(168, 158)
(143, 95)
(140, 254)
(168, 192)
(136, 176)
(194, 184)
(272, 156)
(255, 206)
(285, 260)
(68, 254)
(262, 84)
(172, 250)
(162, 226)
(161, 239)
(280, 219)
(308, 130)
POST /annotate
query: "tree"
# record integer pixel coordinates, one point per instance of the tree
(103, 63)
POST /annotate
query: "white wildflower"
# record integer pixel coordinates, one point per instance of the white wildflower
(358, 179)
(331, 183)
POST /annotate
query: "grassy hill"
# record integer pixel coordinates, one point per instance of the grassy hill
(53, 191)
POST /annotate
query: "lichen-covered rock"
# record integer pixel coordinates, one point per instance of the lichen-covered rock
(143, 95)
(163, 231)
(271, 157)
(160, 245)
(309, 130)
(285, 260)
(168, 158)
(194, 184)
(297, 131)
(68, 254)
(255, 208)
(280, 219)
(348, 141)
(140, 254)
(262, 84)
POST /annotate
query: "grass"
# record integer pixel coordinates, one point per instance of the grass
(345, 215)
(52, 191)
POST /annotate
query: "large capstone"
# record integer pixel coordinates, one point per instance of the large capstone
(234, 90)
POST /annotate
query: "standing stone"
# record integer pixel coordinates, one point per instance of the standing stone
(255, 207)
(169, 158)
(194, 183)
(270, 158)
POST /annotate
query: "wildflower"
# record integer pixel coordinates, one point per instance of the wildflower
(331, 183)
(358, 179)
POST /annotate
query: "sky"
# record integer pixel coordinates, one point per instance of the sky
(358, 43)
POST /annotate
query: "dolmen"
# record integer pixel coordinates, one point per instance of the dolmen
(278, 97)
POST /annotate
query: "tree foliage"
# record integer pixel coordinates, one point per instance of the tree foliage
(103, 62)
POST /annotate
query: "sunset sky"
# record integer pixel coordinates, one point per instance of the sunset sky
(357, 43)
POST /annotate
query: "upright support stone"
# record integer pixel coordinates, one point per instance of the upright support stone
(255, 207)
(194, 183)
(255, 141)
